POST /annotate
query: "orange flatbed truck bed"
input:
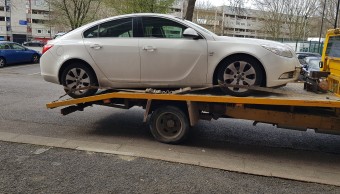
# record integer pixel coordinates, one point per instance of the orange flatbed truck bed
(172, 115)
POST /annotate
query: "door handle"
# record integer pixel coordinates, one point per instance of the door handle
(149, 48)
(96, 46)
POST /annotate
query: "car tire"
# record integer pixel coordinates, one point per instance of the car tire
(78, 75)
(35, 58)
(239, 70)
(2, 62)
(169, 124)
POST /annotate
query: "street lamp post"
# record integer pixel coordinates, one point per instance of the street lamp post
(323, 15)
(304, 33)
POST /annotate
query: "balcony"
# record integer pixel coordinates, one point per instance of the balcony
(40, 16)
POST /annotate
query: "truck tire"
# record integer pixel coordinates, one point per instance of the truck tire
(169, 124)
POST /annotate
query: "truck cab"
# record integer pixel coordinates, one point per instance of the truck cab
(330, 61)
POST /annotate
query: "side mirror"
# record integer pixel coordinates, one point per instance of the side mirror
(321, 64)
(191, 33)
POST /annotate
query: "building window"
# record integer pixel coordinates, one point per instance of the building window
(40, 2)
(39, 31)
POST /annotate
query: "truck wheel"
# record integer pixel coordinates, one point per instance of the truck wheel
(239, 70)
(76, 76)
(169, 124)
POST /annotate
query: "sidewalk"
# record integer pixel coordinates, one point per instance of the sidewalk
(273, 162)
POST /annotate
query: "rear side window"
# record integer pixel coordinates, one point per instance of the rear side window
(115, 29)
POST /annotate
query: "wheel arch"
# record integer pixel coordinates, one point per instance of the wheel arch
(264, 81)
(71, 61)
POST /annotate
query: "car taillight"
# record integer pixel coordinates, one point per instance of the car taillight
(46, 48)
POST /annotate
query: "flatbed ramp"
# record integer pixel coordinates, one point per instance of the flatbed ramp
(291, 108)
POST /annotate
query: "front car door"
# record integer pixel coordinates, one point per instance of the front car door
(115, 50)
(169, 59)
(21, 54)
(8, 53)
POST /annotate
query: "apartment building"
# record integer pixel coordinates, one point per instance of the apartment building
(23, 20)
(231, 21)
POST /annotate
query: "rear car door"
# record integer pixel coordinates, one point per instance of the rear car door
(114, 49)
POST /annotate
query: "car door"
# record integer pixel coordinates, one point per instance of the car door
(21, 54)
(168, 58)
(114, 49)
(8, 53)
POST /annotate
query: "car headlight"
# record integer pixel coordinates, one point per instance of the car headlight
(279, 50)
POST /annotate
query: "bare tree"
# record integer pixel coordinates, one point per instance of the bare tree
(140, 6)
(297, 17)
(190, 10)
(330, 12)
(205, 14)
(286, 18)
(74, 13)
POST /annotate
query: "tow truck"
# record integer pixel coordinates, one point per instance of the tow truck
(171, 115)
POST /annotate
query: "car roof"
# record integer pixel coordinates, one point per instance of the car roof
(135, 15)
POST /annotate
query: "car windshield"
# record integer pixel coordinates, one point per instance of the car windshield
(314, 64)
(201, 28)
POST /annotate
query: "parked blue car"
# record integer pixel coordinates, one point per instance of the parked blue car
(11, 52)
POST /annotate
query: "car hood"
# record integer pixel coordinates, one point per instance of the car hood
(252, 41)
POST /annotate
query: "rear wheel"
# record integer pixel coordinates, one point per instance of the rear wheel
(35, 58)
(77, 76)
(2, 62)
(239, 70)
(169, 124)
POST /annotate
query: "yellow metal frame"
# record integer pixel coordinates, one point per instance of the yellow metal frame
(200, 98)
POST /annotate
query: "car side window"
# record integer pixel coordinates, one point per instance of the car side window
(4, 47)
(162, 28)
(17, 47)
(115, 28)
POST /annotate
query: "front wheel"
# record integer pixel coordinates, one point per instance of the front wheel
(169, 124)
(77, 76)
(239, 70)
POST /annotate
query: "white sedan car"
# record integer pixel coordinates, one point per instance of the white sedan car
(162, 51)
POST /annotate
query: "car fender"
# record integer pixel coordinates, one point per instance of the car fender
(75, 52)
(218, 51)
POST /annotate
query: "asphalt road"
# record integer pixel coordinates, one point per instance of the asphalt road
(24, 94)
